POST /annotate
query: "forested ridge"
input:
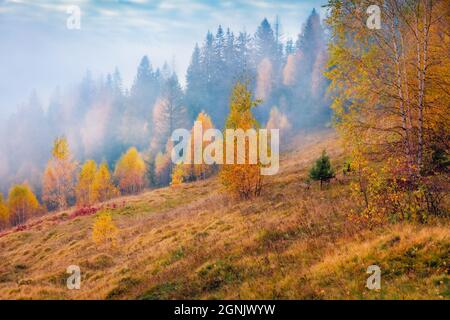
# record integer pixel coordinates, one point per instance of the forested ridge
(101, 118)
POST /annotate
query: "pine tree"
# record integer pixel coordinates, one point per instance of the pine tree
(219, 48)
(311, 40)
(145, 88)
(169, 113)
(117, 82)
(85, 96)
(303, 74)
(322, 170)
(25, 142)
(149, 159)
(113, 141)
(244, 64)
(195, 85)
(268, 68)
(266, 46)
(136, 126)
(208, 71)
(229, 56)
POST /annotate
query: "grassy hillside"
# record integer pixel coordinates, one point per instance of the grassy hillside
(194, 242)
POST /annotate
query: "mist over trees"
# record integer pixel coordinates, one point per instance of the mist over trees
(102, 119)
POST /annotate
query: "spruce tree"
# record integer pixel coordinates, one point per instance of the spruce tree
(195, 85)
(322, 170)
(169, 113)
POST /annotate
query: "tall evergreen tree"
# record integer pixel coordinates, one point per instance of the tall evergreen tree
(169, 113)
(244, 65)
(145, 88)
(137, 120)
(311, 41)
(265, 44)
(307, 85)
(195, 85)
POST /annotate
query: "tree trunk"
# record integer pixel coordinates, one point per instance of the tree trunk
(400, 86)
(421, 73)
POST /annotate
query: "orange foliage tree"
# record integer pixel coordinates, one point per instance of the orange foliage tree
(178, 175)
(4, 213)
(245, 179)
(58, 180)
(199, 171)
(104, 230)
(103, 187)
(22, 204)
(84, 189)
(391, 90)
(130, 172)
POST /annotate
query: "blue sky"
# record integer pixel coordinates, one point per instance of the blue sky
(37, 51)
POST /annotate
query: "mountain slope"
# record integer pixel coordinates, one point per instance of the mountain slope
(193, 242)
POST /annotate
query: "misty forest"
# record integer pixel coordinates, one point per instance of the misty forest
(101, 119)
(363, 118)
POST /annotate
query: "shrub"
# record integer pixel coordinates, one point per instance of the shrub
(104, 231)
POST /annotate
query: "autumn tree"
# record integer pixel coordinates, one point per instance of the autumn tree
(84, 189)
(177, 175)
(391, 91)
(103, 187)
(58, 179)
(392, 84)
(104, 231)
(22, 204)
(202, 170)
(130, 172)
(322, 170)
(4, 213)
(244, 179)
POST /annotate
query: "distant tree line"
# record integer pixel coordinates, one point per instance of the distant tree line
(103, 121)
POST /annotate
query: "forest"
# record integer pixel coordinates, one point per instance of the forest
(100, 120)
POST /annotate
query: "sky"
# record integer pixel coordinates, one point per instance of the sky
(38, 51)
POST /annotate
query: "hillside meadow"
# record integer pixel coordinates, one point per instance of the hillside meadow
(191, 241)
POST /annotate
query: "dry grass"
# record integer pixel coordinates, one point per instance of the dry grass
(194, 242)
